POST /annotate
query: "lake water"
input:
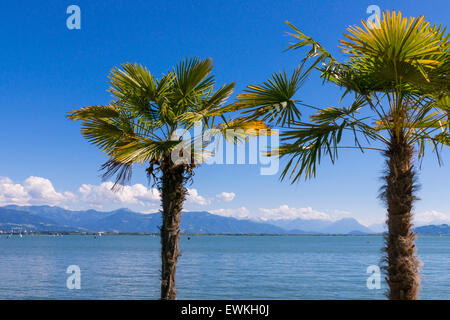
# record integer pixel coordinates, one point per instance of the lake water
(211, 267)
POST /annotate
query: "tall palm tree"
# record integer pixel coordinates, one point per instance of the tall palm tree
(142, 125)
(398, 76)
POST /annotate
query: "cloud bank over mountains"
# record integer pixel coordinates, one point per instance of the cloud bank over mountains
(40, 191)
(34, 191)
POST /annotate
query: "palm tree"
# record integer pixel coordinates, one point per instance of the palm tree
(398, 76)
(142, 125)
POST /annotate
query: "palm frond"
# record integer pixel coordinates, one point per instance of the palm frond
(307, 143)
(318, 52)
(208, 108)
(138, 126)
(400, 69)
(192, 79)
(401, 50)
(273, 100)
(105, 126)
(143, 150)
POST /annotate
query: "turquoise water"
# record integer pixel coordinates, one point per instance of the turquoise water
(211, 267)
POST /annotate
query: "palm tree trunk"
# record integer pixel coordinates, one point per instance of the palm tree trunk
(173, 194)
(402, 264)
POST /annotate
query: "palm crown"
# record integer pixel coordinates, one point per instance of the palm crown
(398, 74)
(140, 125)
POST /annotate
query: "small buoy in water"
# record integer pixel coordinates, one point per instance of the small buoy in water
(189, 238)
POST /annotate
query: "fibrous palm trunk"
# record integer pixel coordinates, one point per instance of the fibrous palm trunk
(173, 194)
(402, 264)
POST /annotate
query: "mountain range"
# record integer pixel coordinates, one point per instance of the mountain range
(46, 219)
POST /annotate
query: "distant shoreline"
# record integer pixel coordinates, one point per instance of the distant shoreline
(68, 233)
(75, 233)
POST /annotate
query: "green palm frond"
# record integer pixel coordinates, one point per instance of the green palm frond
(143, 150)
(121, 170)
(273, 100)
(192, 79)
(306, 144)
(139, 126)
(399, 73)
(136, 87)
(443, 138)
(309, 143)
(209, 107)
(239, 129)
(400, 51)
(132, 81)
(94, 112)
(105, 126)
(317, 52)
(443, 104)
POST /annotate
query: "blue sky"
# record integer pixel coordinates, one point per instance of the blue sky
(48, 70)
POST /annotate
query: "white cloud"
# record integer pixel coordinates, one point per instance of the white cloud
(11, 193)
(100, 195)
(194, 197)
(285, 212)
(431, 217)
(34, 191)
(239, 213)
(40, 191)
(226, 196)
